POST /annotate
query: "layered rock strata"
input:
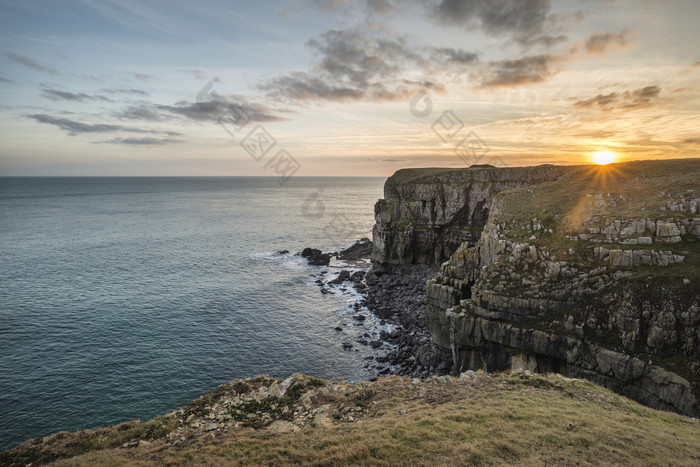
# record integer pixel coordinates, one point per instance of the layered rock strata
(572, 276)
(426, 214)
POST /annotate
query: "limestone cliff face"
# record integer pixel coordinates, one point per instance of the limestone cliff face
(594, 275)
(426, 214)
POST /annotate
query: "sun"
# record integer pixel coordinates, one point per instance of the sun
(604, 157)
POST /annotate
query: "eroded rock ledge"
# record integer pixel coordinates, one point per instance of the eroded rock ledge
(592, 273)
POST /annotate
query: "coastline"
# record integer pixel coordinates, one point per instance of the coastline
(396, 300)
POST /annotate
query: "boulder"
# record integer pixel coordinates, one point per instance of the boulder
(316, 257)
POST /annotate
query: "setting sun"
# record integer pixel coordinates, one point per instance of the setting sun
(604, 157)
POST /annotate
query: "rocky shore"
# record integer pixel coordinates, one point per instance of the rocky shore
(398, 300)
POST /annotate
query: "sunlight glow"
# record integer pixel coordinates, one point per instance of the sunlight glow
(604, 157)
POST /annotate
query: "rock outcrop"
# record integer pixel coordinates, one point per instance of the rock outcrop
(593, 275)
(426, 214)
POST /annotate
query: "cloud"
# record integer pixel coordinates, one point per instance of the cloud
(523, 19)
(28, 62)
(73, 127)
(696, 64)
(628, 100)
(538, 68)
(388, 159)
(143, 77)
(545, 40)
(331, 5)
(692, 141)
(527, 70)
(56, 95)
(379, 7)
(458, 56)
(142, 112)
(99, 79)
(600, 42)
(135, 92)
(214, 109)
(145, 141)
(355, 65)
(5, 80)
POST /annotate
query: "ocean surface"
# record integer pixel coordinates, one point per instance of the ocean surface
(126, 298)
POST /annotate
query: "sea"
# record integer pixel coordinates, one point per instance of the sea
(126, 298)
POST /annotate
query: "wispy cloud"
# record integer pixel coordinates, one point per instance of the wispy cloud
(455, 56)
(73, 127)
(143, 77)
(56, 95)
(527, 70)
(214, 110)
(5, 80)
(145, 141)
(133, 92)
(144, 112)
(211, 110)
(387, 159)
(99, 79)
(28, 62)
(628, 100)
(601, 42)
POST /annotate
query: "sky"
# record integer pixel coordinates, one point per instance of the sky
(342, 87)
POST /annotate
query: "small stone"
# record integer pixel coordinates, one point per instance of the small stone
(402, 412)
(275, 390)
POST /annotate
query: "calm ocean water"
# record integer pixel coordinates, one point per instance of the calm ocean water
(125, 298)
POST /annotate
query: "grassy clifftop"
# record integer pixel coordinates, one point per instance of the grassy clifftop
(628, 189)
(475, 419)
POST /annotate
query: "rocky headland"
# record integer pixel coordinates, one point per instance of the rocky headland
(585, 271)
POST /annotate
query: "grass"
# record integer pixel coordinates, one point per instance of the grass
(408, 175)
(513, 418)
(640, 189)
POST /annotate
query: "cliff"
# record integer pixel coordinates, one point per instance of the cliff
(426, 214)
(585, 271)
